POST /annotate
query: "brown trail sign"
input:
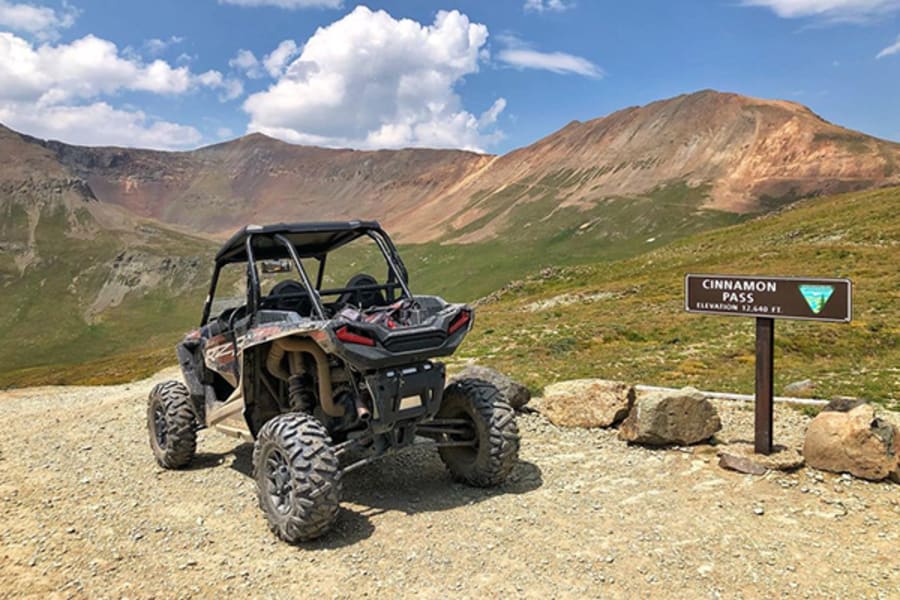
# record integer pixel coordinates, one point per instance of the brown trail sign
(768, 298)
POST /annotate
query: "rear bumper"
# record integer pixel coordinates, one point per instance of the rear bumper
(405, 393)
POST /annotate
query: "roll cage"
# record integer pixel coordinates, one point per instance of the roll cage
(295, 242)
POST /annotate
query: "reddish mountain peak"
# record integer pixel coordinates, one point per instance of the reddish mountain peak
(734, 151)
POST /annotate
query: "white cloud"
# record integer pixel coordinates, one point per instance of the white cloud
(521, 55)
(557, 62)
(831, 10)
(890, 50)
(98, 124)
(541, 6)
(288, 4)
(224, 133)
(156, 46)
(273, 63)
(490, 116)
(52, 90)
(278, 59)
(39, 21)
(372, 81)
(229, 88)
(246, 62)
(85, 68)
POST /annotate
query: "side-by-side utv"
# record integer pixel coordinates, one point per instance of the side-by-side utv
(324, 380)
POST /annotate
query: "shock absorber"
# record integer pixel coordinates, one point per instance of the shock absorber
(299, 394)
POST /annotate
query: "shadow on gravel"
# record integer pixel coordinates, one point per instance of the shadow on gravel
(412, 482)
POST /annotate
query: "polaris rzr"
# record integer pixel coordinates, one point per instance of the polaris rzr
(324, 379)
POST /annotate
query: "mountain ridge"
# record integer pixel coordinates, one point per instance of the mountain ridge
(747, 150)
(736, 153)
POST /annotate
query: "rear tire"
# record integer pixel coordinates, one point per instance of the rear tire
(298, 478)
(172, 425)
(496, 433)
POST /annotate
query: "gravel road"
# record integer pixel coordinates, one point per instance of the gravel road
(87, 513)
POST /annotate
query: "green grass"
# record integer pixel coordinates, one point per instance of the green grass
(631, 324)
(591, 297)
(46, 327)
(616, 228)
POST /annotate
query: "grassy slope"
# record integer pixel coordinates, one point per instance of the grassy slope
(45, 334)
(625, 320)
(638, 332)
(531, 241)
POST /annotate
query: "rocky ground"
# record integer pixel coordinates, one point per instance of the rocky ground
(87, 513)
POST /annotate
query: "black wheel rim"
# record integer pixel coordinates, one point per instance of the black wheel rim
(278, 482)
(160, 428)
(467, 454)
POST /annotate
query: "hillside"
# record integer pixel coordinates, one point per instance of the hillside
(258, 179)
(720, 151)
(626, 320)
(80, 279)
(714, 151)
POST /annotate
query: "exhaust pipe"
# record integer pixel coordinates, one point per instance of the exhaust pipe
(362, 411)
(326, 393)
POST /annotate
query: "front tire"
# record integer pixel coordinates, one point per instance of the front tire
(298, 478)
(172, 425)
(493, 421)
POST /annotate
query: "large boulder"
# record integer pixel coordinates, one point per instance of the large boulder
(514, 393)
(855, 442)
(587, 403)
(663, 418)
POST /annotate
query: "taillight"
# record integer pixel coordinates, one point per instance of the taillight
(345, 335)
(459, 322)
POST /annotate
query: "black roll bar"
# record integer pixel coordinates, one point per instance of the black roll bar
(253, 276)
(313, 294)
(393, 260)
(207, 306)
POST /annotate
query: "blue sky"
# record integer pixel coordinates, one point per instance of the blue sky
(482, 75)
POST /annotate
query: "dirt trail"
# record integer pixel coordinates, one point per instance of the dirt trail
(87, 513)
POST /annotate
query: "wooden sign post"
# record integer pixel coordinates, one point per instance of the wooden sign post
(768, 298)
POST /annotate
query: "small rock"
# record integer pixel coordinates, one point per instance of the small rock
(741, 464)
(842, 404)
(759, 510)
(742, 457)
(587, 403)
(800, 389)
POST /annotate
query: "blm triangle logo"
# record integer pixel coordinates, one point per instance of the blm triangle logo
(816, 296)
